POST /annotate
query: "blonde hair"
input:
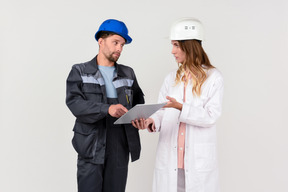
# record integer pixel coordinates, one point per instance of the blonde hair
(195, 62)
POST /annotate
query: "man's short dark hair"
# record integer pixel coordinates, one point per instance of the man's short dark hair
(105, 34)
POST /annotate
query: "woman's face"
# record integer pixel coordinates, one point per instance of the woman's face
(178, 53)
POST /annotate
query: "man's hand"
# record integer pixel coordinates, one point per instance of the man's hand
(117, 110)
(139, 123)
(144, 124)
(149, 123)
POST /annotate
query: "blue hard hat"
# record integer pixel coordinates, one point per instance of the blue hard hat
(115, 26)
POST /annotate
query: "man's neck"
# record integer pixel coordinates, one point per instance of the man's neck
(103, 61)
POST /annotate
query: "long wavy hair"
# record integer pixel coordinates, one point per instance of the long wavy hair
(195, 62)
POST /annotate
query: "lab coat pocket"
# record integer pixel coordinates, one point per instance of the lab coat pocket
(161, 157)
(205, 157)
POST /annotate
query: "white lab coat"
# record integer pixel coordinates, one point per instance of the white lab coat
(200, 115)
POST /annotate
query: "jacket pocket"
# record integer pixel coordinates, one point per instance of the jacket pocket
(84, 140)
(92, 92)
(129, 96)
(205, 157)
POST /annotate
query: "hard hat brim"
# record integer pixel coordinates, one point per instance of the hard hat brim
(127, 38)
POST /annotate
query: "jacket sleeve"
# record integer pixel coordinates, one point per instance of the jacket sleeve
(204, 113)
(138, 96)
(84, 110)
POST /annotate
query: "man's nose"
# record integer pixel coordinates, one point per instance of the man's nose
(119, 48)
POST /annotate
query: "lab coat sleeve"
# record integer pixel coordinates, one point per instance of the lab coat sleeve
(157, 117)
(204, 112)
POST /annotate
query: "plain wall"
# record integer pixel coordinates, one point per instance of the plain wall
(40, 41)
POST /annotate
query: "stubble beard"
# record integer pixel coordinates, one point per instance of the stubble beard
(111, 58)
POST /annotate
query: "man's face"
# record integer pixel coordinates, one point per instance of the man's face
(111, 47)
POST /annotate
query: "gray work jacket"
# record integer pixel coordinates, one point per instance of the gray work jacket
(86, 99)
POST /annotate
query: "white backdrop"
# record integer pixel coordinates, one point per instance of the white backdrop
(40, 41)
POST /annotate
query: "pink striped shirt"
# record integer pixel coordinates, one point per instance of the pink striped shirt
(181, 137)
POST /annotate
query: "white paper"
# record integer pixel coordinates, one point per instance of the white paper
(139, 111)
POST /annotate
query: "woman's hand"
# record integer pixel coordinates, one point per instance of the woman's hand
(172, 103)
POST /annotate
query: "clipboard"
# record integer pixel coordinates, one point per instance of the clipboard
(139, 111)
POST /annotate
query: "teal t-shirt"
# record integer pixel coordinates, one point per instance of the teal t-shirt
(108, 74)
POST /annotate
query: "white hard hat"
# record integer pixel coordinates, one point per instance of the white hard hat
(187, 29)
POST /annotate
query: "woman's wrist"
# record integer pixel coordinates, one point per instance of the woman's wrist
(179, 106)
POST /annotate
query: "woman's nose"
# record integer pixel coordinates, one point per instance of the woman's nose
(173, 51)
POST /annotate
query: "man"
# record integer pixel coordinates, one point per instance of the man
(98, 92)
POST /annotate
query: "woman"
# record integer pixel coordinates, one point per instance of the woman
(186, 153)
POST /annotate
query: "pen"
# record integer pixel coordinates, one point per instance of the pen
(127, 99)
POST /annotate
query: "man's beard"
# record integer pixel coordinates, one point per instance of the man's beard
(111, 58)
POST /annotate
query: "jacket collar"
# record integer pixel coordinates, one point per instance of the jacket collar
(92, 68)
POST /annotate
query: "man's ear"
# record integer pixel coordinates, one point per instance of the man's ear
(100, 41)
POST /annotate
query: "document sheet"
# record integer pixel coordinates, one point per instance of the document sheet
(139, 111)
